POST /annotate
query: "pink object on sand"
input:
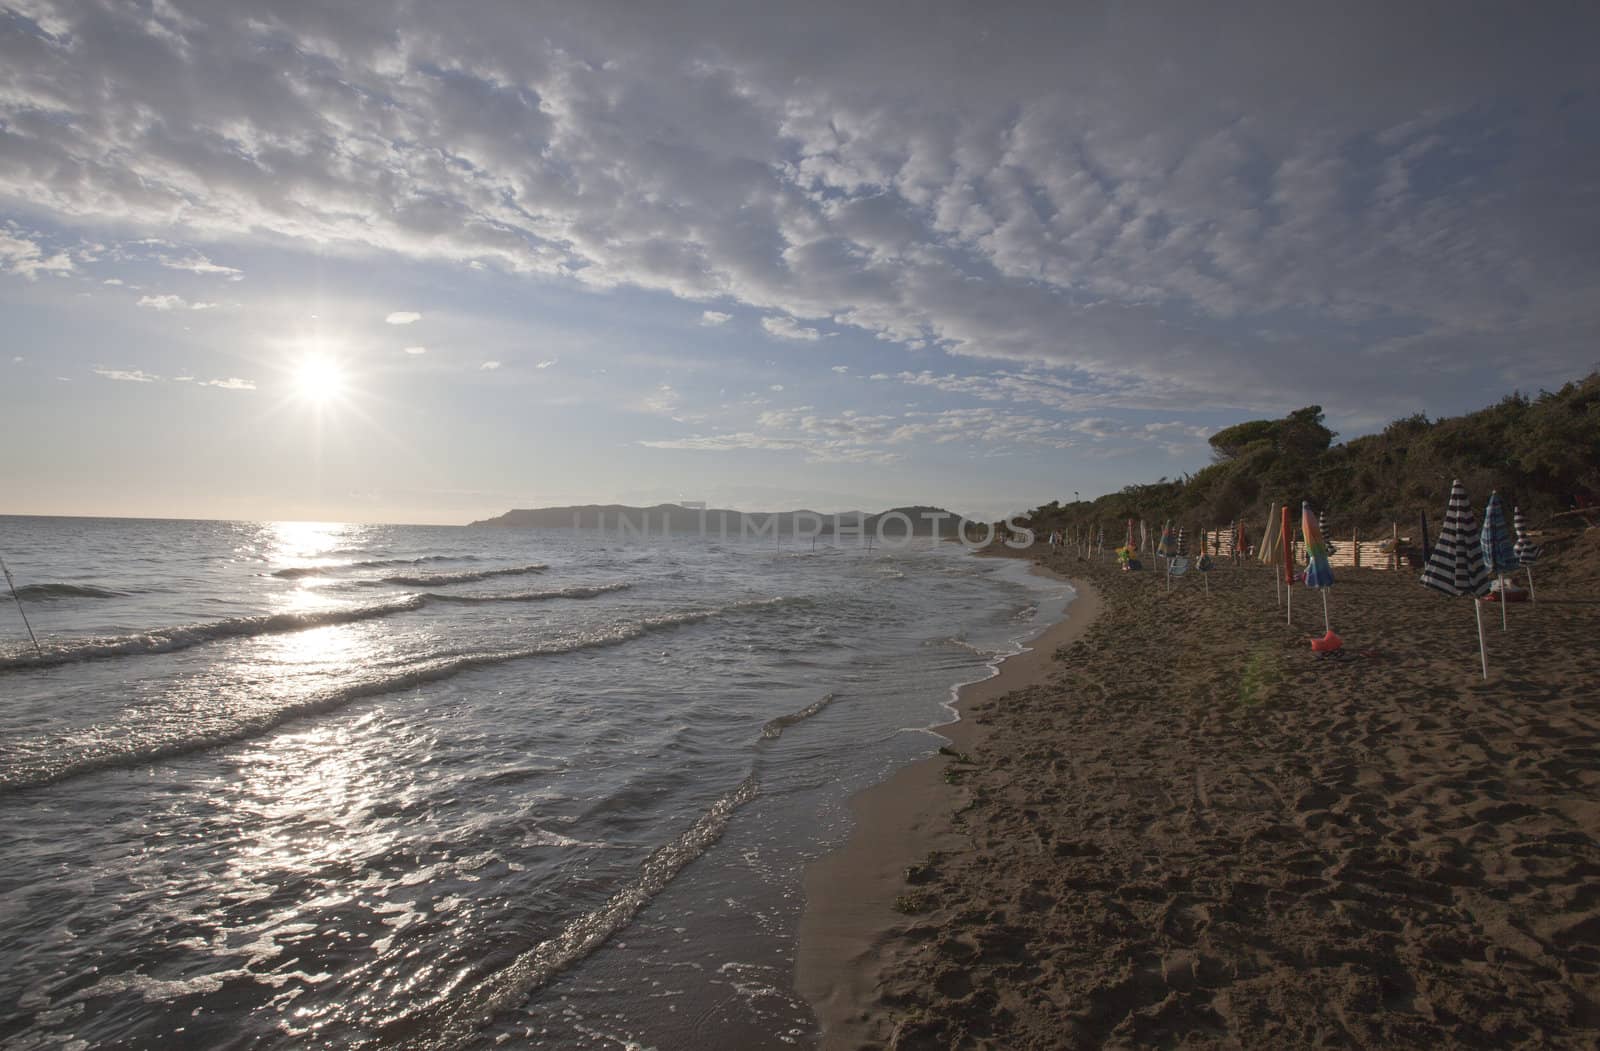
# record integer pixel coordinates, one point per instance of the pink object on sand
(1327, 644)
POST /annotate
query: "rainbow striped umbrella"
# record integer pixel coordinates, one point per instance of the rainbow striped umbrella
(1319, 574)
(1167, 546)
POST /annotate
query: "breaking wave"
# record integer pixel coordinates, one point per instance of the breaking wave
(46, 592)
(150, 733)
(433, 580)
(575, 591)
(185, 636)
(297, 572)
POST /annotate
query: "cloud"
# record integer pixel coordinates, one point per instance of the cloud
(546, 364)
(841, 368)
(715, 317)
(489, 366)
(1089, 192)
(403, 317)
(231, 383)
(126, 375)
(882, 438)
(416, 350)
(199, 264)
(172, 302)
(26, 258)
(789, 328)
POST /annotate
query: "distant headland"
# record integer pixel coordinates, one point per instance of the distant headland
(920, 520)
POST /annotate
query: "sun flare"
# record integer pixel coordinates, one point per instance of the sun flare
(319, 380)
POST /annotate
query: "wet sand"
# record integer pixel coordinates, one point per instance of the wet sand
(1189, 831)
(851, 910)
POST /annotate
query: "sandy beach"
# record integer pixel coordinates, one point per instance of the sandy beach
(1174, 825)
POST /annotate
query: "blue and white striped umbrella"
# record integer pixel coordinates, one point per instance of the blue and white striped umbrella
(1526, 550)
(1499, 553)
(1455, 566)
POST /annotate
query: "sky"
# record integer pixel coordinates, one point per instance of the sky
(421, 262)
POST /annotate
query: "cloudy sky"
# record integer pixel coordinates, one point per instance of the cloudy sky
(423, 261)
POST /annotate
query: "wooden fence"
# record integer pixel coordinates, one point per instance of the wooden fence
(1350, 551)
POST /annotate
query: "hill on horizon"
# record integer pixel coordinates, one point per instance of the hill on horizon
(675, 518)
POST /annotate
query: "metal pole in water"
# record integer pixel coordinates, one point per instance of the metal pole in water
(18, 600)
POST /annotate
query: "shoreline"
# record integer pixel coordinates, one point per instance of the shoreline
(849, 916)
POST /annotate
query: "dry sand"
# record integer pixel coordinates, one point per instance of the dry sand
(1192, 832)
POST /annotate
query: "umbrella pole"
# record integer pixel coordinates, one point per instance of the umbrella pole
(1288, 618)
(1325, 625)
(1483, 654)
(1502, 602)
(1277, 585)
(1533, 596)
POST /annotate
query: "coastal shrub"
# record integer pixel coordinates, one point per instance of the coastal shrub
(1540, 453)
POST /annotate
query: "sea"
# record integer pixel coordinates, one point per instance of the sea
(307, 785)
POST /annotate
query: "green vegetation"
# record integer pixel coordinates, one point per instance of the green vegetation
(1262, 671)
(1540, 452)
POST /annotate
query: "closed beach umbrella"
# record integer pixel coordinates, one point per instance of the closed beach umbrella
(1269, 538)
(1319, 574)
(1526, 550)
(1129, 543)
(1183, 547)
(1269, 550)
(1167, 546)
(1499, 553)
(1455, 565)
(1286, 541)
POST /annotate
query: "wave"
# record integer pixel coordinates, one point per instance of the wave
(432, 580)
(46, 592)
(775, 727)
(575, 591)
(297, 572)
(139, 738)
(186, 636)
(452, 1021)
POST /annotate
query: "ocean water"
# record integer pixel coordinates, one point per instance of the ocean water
(307, 785)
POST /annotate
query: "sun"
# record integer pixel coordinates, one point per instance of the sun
(319, 380)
